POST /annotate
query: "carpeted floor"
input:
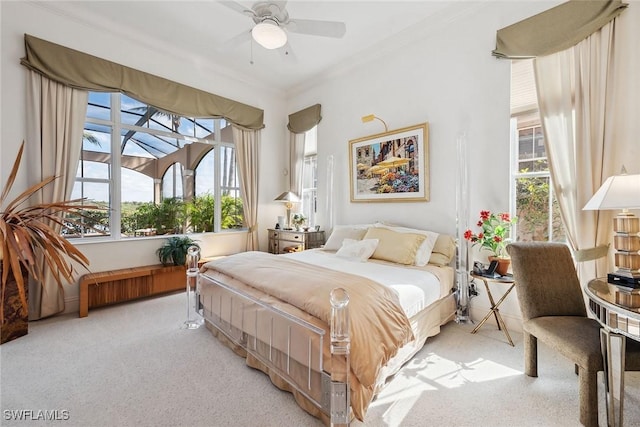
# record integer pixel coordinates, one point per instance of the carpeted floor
(132, 365)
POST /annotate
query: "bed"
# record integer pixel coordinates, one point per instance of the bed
(285, 315)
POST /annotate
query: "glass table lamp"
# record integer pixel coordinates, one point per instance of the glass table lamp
(622, 192)
(289, 198)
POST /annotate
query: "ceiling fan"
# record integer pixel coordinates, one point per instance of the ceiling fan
(272, 23)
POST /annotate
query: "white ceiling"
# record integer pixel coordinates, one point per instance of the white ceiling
(200, 29)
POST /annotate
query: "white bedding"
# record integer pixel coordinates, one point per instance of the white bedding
(416, 287)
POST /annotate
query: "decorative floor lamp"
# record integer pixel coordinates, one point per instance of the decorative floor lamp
(194, 320)
(622, 192)
(462, 224)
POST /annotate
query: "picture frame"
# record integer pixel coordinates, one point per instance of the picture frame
(391, 167)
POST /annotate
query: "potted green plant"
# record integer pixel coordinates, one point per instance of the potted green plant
(174, 250)
(31, 245)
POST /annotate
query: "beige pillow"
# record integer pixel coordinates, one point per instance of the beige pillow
(425, 249)
(396, 247)
(443, 251)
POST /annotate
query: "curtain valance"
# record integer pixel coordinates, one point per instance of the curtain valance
(304, 120)
(556, 29)
(83, 71)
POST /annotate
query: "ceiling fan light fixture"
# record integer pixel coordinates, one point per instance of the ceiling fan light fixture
(269, 34)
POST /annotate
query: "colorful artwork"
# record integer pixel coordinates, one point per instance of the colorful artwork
(391, 166)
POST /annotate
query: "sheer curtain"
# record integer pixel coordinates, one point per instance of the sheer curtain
(55, 122)
(299, 124)
(296, 161)
(247, 144)
(576, 106)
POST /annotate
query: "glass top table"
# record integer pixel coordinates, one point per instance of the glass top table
(615, 307)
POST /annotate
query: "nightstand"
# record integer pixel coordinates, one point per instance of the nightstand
(284, 241)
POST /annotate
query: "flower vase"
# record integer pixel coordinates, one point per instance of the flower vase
(503, 265)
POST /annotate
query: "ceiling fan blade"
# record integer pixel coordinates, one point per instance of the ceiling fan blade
(235, 41)
(317, 28)
(238, 8)
(281, 4)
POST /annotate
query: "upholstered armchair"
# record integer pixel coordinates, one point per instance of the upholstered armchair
(554, 311)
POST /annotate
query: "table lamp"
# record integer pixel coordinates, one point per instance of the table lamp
(289, 198)
(622, 192)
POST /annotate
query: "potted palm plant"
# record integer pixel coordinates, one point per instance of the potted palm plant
(174, 250)
(31, 245)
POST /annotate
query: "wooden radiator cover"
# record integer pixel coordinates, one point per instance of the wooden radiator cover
(111, 287)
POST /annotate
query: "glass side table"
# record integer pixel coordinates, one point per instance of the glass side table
(495, 310)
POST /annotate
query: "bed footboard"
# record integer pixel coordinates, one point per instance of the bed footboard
(287, 345)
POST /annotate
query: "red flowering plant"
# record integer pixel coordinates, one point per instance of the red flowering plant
(495, 230)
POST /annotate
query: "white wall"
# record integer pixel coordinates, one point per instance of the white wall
(449, 79)
(18, 18)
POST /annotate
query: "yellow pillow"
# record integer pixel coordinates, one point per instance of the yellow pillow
(396, 247)
(443, 251)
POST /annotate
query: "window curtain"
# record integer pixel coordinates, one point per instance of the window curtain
(55, 122)
(573, 47)
(296, 162)
(556, 29)
(247, 144)
(300, 123)
(80, 70)
(577, 137)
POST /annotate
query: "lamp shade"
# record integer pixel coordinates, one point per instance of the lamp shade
(288, 196)
(617, 192)
(269, 34)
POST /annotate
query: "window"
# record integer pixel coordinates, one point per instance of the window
(155, 172)
(310, 176)
(535, 204)
(533, 200)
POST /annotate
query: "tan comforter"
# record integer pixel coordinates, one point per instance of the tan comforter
(378, 325)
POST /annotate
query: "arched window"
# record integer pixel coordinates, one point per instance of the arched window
(172, 182)
(149, 167)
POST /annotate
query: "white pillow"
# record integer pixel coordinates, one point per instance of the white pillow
(357, 249)
(341, 232)
(424, 251)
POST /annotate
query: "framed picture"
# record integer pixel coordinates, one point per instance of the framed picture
(391, 166)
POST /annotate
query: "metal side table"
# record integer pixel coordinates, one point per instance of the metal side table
(495, 311)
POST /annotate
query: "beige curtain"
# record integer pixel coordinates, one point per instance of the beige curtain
(247, 144)
(80, 70)
(55, 122)
(556, 29)
(575, 104)
(300, 122)
(304, 120)
(296, 162)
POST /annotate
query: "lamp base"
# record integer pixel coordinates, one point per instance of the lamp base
(631, 281)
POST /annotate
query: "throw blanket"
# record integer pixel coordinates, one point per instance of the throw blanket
(378, 325)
